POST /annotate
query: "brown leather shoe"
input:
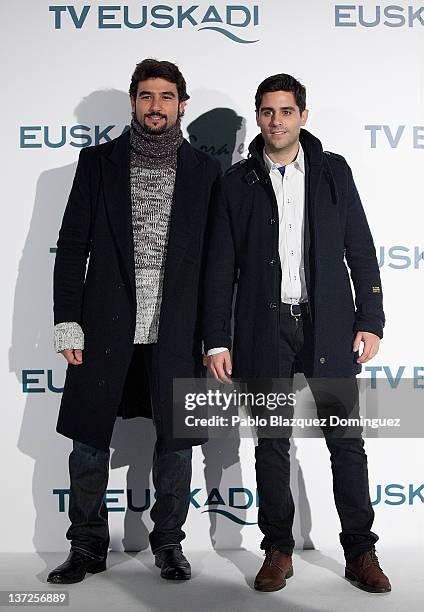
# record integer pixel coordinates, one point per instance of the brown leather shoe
(274, 571)
(366, 574)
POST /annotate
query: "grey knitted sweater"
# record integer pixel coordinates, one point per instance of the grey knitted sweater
(153, 164)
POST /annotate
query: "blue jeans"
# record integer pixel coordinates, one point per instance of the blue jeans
(348, 460)
(89, 473)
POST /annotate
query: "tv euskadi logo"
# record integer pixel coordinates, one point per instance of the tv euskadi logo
(228, 20)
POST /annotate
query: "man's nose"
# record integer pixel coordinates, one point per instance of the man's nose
(155, 104)
(276, 121)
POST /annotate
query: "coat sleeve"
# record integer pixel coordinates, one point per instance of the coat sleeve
(362, 261)
(73, 247)
(218, 286)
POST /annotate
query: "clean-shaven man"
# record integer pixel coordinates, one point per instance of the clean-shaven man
(129, 323)
(285, 221)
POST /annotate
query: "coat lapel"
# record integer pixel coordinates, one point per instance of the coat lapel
(185, 221)
(313, 171)
(117, 197)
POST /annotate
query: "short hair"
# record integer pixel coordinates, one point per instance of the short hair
(153, 69)
(282, 82)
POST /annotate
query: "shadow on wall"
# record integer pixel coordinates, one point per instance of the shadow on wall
(221, 132)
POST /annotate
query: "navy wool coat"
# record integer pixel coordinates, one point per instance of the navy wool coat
(243, 247)
(101, 297)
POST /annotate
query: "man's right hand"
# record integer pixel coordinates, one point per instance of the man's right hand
(219, 365)
(73, 356)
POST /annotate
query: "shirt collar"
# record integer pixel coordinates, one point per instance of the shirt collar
(298, 162)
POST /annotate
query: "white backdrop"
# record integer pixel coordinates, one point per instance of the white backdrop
(67, 67)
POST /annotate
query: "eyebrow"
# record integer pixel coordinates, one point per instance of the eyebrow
(266, 108)
(164, 93)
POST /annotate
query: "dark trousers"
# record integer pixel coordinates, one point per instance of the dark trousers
(348, 458)
(89, 474)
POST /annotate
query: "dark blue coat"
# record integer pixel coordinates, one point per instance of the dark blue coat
(97, 224)
(243, 244)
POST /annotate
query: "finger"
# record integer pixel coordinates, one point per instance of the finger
(365, 353)
(372, 351)
(357, 342)
(375, 349)
(222, 376)
(213, 371)
(228, 366)
(78, 355)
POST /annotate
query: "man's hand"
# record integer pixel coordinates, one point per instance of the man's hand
(73, 356)
(219, 366)
(371, 346)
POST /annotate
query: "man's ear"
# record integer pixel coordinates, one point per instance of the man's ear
(181, 107)
(257, 118)
(304, 116)
(132, 100)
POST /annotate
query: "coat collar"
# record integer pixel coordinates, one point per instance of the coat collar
(311, 145)
(314, 160)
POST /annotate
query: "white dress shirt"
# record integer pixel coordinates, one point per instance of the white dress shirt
(290, 194)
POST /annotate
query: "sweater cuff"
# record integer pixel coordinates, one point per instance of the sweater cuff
(68, 336)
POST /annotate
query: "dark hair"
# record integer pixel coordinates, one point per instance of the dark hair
(153, 69)
(282, 82)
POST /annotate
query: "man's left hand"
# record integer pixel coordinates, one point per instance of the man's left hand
(371, 346)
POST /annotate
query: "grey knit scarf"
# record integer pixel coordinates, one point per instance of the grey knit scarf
(154, 150)
(153, 164)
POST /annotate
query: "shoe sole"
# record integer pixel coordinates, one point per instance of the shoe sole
(364, 587)
(176, 574)
(94, 568)
(269, 590)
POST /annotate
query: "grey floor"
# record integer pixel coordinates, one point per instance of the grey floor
(222, 580)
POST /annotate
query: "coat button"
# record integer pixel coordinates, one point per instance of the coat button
(101, 383)
(115, 317)
(322, 359)
(272, 221)
(108, 351)
(272, 262)
(272, 305)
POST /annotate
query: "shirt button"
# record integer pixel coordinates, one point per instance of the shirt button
(322, 359)
(272, 262)
(290, 225)
(288, 200)
(291, 252)
(272, 305)
(272, 221)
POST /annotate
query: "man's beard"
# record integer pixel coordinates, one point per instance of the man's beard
(154, 130)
